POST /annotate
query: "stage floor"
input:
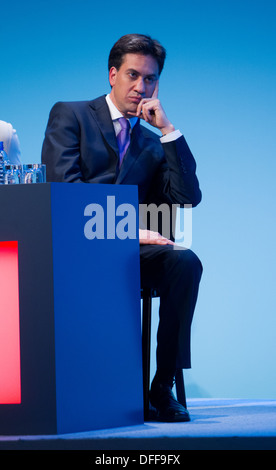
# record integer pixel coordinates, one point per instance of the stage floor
(216, 424)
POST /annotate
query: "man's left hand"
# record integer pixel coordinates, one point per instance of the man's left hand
(148, 237)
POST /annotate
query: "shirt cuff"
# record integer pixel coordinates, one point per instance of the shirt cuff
(170, 137)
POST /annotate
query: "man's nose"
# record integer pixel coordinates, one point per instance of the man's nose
(140, 86)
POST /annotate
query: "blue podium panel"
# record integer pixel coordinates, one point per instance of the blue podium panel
(97, 306)
(79, 303)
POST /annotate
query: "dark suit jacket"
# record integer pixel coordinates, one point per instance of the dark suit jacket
(80, 146)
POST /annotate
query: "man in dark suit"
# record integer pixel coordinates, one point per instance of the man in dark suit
(82, 144)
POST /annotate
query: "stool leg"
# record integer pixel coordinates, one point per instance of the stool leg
(146, 342)
(180, 388)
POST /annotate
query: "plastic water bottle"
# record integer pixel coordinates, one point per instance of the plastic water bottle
(2, 162)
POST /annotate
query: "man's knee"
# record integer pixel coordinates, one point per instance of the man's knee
(189, 257)
(188, 262)
(161, 265)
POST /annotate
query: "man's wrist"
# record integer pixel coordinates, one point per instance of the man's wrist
(167, 129)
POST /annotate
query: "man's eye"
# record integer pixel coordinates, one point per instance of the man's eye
(132, 74)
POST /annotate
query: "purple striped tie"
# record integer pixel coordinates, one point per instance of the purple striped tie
(123, 138)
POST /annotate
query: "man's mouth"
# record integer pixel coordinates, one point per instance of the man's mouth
(135, 99)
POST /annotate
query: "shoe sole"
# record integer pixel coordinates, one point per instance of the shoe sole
(176, 419)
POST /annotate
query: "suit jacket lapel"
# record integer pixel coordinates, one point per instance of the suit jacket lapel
(101, 114)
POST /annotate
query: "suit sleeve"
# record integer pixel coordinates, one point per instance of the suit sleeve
(61, 148)
(175, 181)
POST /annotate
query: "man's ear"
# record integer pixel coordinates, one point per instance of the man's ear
(112, 76)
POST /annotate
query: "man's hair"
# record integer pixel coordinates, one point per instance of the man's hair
(136, 44)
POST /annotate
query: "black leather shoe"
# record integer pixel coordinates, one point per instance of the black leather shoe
(167, 407)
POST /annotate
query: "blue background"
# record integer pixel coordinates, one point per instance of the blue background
(218, 88)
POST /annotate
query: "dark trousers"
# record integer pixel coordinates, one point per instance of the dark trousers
(176, 273)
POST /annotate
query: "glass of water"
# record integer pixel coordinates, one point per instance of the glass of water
(28, 174)
(40, 172)
(34, 173)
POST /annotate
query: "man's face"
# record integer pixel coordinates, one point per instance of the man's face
(136, 79)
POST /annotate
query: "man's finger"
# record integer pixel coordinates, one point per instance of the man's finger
(156, 90)
(139, 108)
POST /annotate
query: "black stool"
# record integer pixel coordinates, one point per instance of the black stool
(147, 295)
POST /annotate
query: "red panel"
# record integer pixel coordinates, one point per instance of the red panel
(10, 373)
